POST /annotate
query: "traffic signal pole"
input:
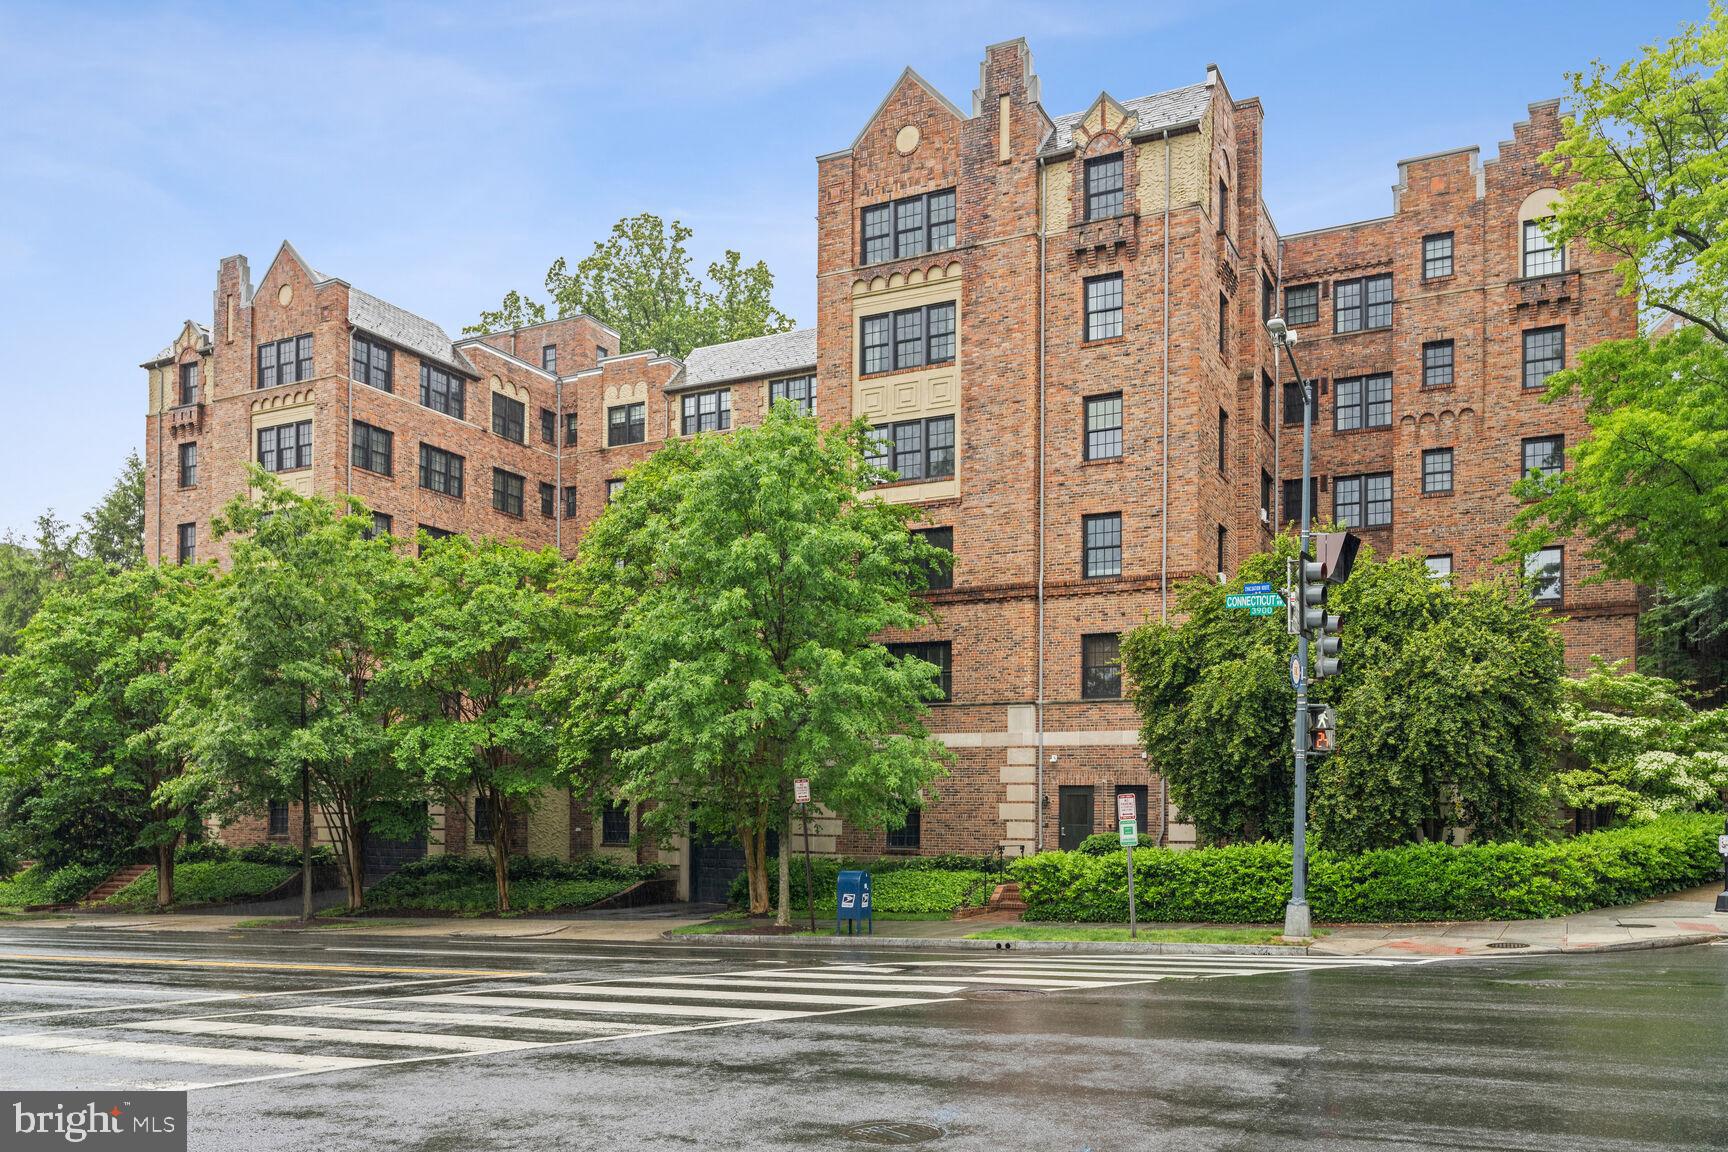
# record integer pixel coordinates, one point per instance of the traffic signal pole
(1298, 922)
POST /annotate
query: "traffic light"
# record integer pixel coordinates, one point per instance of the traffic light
(1334, 556)
(1322, 729)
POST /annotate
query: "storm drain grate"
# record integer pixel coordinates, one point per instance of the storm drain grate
(1508, 944)
(893, 1133)
(1000, 994)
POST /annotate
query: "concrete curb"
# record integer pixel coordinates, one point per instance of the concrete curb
(944, 942)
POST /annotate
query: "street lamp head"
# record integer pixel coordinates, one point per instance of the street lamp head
(1277, 328)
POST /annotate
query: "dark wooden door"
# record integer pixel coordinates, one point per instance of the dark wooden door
(1073, 815)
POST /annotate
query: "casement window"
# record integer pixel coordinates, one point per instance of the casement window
(432, 534)
(909, 338)
(707, 412)
(483, 817)
(1542, 257)
(909, 836)
(1440, 566)
(549, 358)
(1104, 186)
(569, 501)
(1545, 455)
(908, 226)
(1437, 364)
(1103, 427)
(1436, 471)
(186, 543)
(285, 447)
(1291, 501)
(1101, 538)
(1223, 325)
(615, 824)
(939, 653)
(1266, 394)
(507, 492)
(277, 818)
(548, 500)
(509, 418)
(372, 363)
(570, 421)
(1265, 496)
(1100, 666)
(1302, 304)
(1544, 574)
(382, 525)
(188, 464)
(548, 427)
(1223, 540)
(915, 449)
(442, 391)
(188, 384)
(1360, 305)
(1104, 306)
(1223, 441)
(800, 390)
(626, 424)
(939, 576)
(613, 488)
(441, 471)
(373, 448)
(1292, 403)
(1544, 354)
(1437, 256)
(285, 361)
(1362, 402)
(1362, 501)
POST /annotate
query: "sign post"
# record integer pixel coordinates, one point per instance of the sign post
(801, 793)
(1127, 820)
(1722, 847)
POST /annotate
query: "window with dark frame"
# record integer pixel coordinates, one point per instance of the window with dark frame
(1223, 325)
(1302, 304)
(441, 471)
(1102, 545)
(1223, 538)
(908, 226)
(569, 501)
(188, 384)
(1437, 364)
(707, 412)
(915, 449)
(1266, 395)
(800, 390)
(1103, 306)
(1105, 190)
(908, 836)
(1223, 207)
(277, 818)
(1362, 501)
(626, 424)
(1544, 574)
(600, 352)
(442, 391)
(1265, 496)
(1542, 257)
(1362, 305)
(939, 653)
(285, 447)
(1101, 666)
(509, 418)
(189, 464)
(483, 816)
(570, 422)
(1291, 501)
(507, 492)
(548, 500)
(186, 543)
(372, 363)
(1544, 455)
(1437, 256)
(938, 577)
(548, 427)
(1544, 354)
(433, 534)
(285, 361)
(382, 525)
(1436, 471)
(910, 338)
(1103, 427)
(615, 823)
(549, 358)
(1223, 441)
(1292, 403)
(1362, 402)
(373, 448)
(613, 488)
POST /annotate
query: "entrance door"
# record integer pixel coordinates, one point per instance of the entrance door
(714, 864)
(380, 856)
(1074, 816)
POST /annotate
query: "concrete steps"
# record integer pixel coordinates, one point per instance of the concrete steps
(120, 878)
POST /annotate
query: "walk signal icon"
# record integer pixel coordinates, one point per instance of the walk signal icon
(1322, 728)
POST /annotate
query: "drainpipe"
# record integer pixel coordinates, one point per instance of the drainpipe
(1038, 808)
(350, 433)
(558, 467)
(1278, 403)
(161, 415)
(1164, 431)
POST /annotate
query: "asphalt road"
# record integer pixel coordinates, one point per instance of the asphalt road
(347, 1042)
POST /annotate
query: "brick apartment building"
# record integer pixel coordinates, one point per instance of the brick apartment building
(1057, 322)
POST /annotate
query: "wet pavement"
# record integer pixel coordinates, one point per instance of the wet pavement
(362, 1042)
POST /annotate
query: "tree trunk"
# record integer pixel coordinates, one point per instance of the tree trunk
(747, 837)
(501, 850)
(354, 851)
(784, 918)
(165, 873)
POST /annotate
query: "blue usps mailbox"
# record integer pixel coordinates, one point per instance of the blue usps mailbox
(852, 901)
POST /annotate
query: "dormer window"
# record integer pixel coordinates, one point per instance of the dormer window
(1104, 186)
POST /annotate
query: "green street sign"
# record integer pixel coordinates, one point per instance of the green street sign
(1257, 603)
(1127, 834)
(1259, 610)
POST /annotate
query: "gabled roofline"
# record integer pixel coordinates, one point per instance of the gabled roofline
(892, 88)
(480, 343)
(559, 319)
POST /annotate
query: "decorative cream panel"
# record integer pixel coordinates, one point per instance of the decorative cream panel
(290, 408)
(509, 388)
(626, 392)
(1190, 159)
(1058, 185)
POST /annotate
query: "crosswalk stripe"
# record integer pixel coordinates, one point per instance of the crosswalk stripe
(460, 1019)
(183, 1053)
(650, 993)
(758, 979)
(381, 1038)
(716, 1011)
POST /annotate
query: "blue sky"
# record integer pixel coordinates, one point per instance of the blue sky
(440, 154)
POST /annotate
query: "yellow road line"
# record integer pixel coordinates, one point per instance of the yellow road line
(198, 962)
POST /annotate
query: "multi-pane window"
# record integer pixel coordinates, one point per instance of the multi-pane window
(1542, 257)
(1223, 440)
(1265, 496)
(548, 426)
(1302, 304)
(906, 339)
(1440, 566)
(372, 363)
(186, 543)
(1437, 364)
(1223, 325)
(483, 817)
(1291, 497)
(1102, 545)
(570, 422)
(613, 488)
(939, 576)
(1358, 305)
(708, 412)
(1104, 186)
(1292, 403)
(509, 418)
(1436, 471)
(507, 492)
(569, 501)
(915, 449)
(909, 226)
(188, 464)
(801, 390)
(1266, 394)
(939, 653)
(1362, 402)
(373, 448)
(1545, 455)
(1544, 354)
(285, 447)
(626, 424)
(909, 835)
(278, 818)
(1104, 426)
(548, 500)
(1437, 256)
(441, 471)
(382, 525)
(188, 384)
(285, 361)
(1544, 571)
(549, 358)
(442, 391)
(1362, 501)
(1104, 307)
(615, 824)
(1101, 666)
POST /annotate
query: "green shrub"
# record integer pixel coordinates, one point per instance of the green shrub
(464, 885)
(61, 885)
(1250, 883)
(1101, 844)
(207, 881)
(902, 884)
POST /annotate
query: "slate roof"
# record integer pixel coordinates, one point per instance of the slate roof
(400, 326)
(774, 355)
(1151, 113)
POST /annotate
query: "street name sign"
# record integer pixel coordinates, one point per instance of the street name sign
(1260, 587)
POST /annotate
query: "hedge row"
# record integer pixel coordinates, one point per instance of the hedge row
(207, 882)
(898, 884)
(60, 886)
(1250, 883)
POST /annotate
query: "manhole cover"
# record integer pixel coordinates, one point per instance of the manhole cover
(894, 1133)
(1000, 994)
(1508, 944)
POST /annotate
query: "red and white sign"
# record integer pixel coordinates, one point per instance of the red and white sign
(1125, 807)
(801, 791)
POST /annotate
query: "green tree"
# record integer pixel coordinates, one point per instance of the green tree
(85, 711)
(113, 531)
(481, 633)
(284, 704)
(730, 603)
(639, 281)
(28, 568)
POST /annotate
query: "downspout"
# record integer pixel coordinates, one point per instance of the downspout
(558, 467)
(1278, 403)
(161, 415)
(1038, 810)
(350, 437)
(1164, 432)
